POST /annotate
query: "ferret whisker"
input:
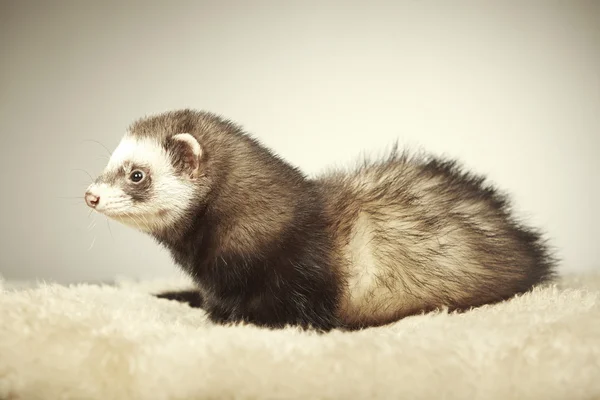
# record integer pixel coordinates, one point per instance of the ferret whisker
(112, 205)
(138, 222)
(91, 225)
(87, 173)
(130, 215)
(145, 220)
(92, 245)
(109, 229)
(97, 142)
(116, 203)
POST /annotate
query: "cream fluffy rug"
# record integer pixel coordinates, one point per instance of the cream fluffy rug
(117, 342)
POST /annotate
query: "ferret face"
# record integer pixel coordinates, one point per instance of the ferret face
(149, 183)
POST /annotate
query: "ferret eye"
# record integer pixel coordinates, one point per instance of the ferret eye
(136, 176)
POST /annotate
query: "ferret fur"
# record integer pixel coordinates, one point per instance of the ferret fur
(268, 245)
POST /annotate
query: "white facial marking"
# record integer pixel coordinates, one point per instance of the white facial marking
(111, 199)
(144, 152)
(168, 195)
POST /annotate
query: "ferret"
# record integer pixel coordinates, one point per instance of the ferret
(348, 249)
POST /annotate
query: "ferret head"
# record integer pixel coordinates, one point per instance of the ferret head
(150, 181)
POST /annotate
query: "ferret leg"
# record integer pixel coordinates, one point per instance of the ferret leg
(192, 297)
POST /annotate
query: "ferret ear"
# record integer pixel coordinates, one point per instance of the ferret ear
(186, 153)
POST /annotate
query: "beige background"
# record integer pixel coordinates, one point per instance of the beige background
(510, 87)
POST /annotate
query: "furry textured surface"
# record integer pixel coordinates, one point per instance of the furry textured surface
(117, 342)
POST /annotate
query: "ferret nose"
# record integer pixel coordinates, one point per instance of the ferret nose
(91, 200)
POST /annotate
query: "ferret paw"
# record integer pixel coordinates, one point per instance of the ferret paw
(191, 297)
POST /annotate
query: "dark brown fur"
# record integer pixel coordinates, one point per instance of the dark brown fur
(269, 246)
